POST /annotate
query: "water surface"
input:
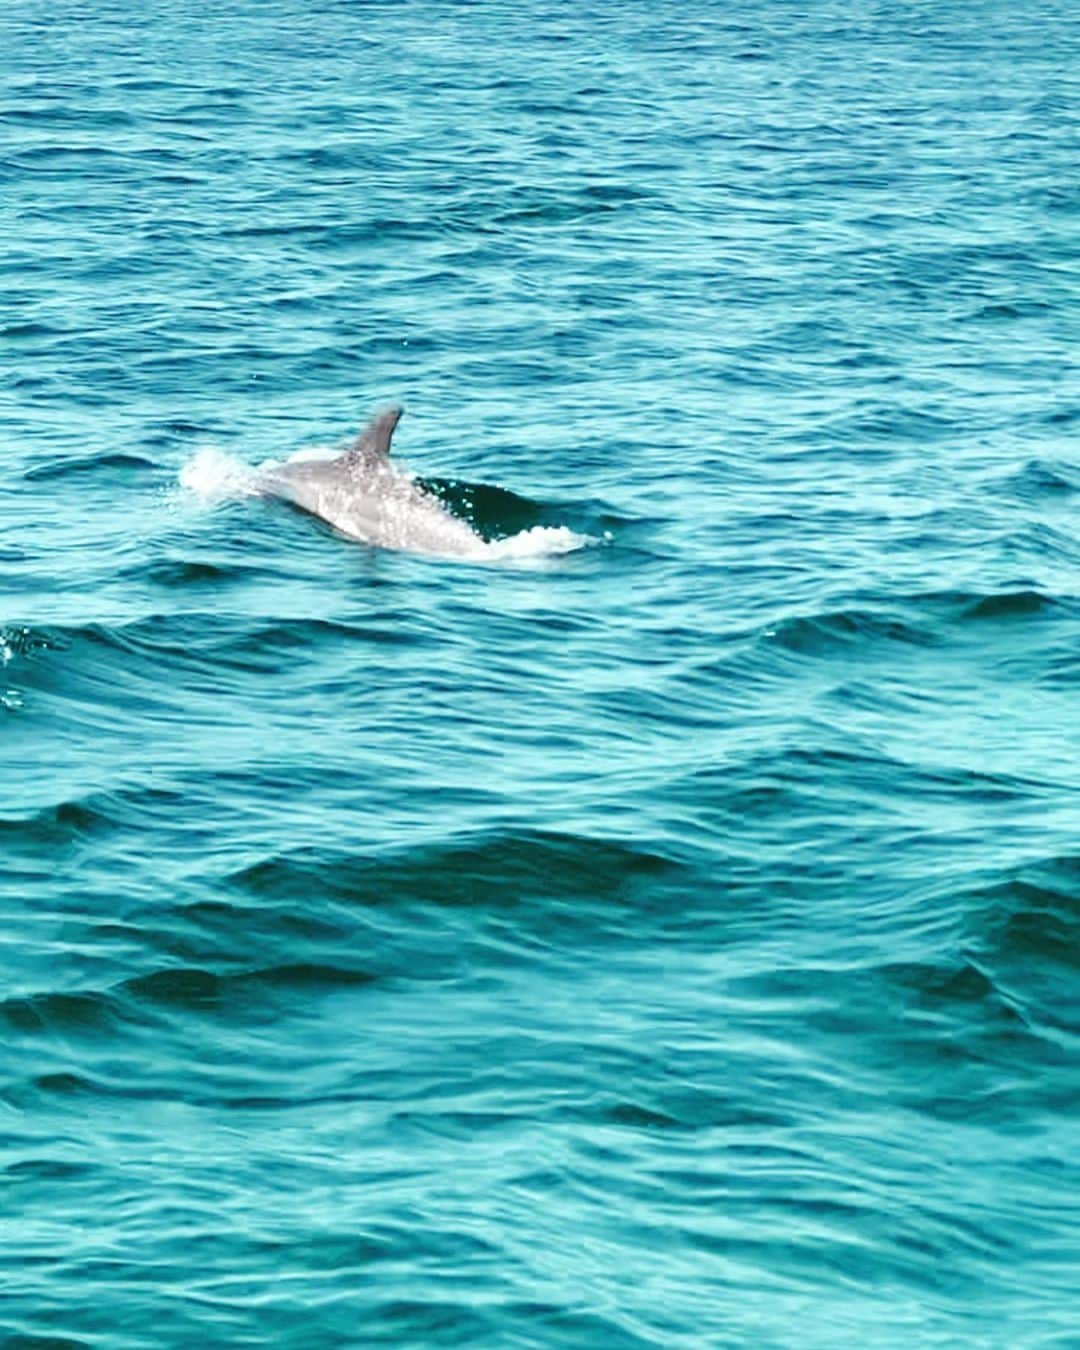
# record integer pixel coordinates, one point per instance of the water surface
(672, 942)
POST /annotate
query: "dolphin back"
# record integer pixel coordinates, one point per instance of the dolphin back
(362, 494)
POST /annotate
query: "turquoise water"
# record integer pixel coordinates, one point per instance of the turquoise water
(672, 941)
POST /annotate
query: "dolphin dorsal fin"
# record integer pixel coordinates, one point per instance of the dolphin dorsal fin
(373, 443)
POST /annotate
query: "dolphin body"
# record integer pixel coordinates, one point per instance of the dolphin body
(361, 494)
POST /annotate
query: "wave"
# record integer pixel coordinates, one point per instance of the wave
(55, 1011)
(916, 620)
(197, 987)
(194, 988)
(82, 464)
(1016, 604)
(1032, 915)
(181, 573)
(836, 629)
(490, 869)
(1040, 478)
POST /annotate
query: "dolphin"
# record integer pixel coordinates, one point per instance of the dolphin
(362, 494)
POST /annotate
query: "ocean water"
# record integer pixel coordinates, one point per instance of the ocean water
(663, 929)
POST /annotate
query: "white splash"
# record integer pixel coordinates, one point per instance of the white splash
(215, 476)
(542, 541)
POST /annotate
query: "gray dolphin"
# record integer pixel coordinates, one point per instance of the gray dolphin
(363, 495)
